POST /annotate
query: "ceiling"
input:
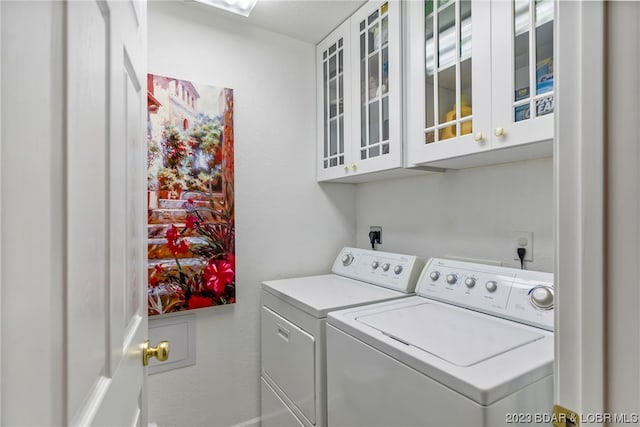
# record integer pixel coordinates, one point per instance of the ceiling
(307, 20)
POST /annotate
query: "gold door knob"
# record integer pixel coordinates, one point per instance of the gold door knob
(353, 166)
(346, 168)
(499, 132)
(161, 352)
(478, 137)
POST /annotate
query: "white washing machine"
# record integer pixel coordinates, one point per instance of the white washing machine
(474, 347)
(294, 315)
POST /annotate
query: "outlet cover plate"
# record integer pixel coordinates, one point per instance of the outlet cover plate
(522, 239)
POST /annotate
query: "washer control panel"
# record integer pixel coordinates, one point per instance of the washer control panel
(394, 271)
(521, 295)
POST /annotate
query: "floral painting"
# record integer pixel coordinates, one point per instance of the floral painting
(191, 219)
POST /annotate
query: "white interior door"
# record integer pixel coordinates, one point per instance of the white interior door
(106, 321)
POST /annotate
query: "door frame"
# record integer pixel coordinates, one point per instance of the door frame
(579, 223)
(0, 209)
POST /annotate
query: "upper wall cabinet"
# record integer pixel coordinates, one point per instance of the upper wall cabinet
(359, 95)
(479, 81)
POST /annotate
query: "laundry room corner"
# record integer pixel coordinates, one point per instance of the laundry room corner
(286, 224)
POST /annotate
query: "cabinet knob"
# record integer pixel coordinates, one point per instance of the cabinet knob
(499, 132)
(346, 168)
(478, 137)
(353, 166)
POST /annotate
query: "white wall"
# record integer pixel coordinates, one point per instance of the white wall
(287, 225)
(468, 213)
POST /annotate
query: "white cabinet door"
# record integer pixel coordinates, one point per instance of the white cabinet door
(377, 87)
(480, 78)
(522, 69)
(360, 97)
(449, 79)
(106, 313)
(334, 104)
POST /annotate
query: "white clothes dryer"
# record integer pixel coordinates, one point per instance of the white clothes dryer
(474, 347)
(294, 325)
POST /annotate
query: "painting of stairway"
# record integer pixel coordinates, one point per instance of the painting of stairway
(191, 217)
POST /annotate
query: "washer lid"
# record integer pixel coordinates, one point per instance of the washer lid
(317, 295)
(460, 338)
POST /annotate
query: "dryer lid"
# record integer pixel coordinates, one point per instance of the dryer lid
(463, 338)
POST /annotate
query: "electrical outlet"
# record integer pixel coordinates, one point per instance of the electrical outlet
(378, 229)
(523, 239)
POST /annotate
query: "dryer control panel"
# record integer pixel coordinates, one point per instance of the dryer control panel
(394, 271)
(521, 295)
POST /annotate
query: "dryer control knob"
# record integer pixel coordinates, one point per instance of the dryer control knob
(347, 259)
(385, 266)
(491, 285)
(434, 275)
(397, 269)
(452, 279)
(470, 282)
(375, 264)
(542, 297)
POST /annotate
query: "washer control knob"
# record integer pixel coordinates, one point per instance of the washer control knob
(491, 285)
(452, 279)
(397, 269)
(470, 282)
(434, 275)
(542, 297)
(386, 266)
(347, 259)
(375, 264)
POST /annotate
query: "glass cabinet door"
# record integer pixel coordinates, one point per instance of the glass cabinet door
(374, 87)
(523, 71)
(533, 44)
(448, 98)
(334, 88)
(448, 47)
(377, 86)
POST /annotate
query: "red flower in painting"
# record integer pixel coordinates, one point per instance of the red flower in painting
(156, 275)
(217, 274)
(182, 247)
(191, 221)
(198, 302)
(175, 244)
(172, 234)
